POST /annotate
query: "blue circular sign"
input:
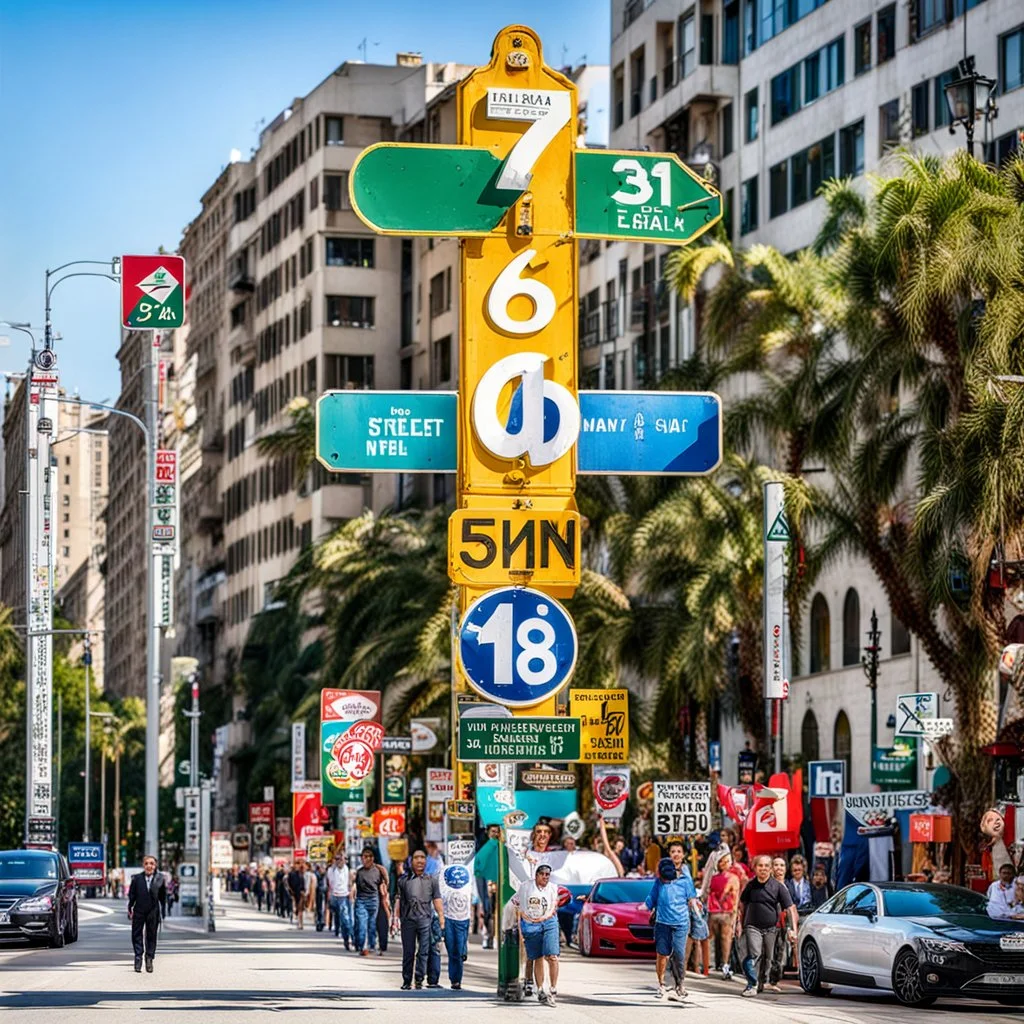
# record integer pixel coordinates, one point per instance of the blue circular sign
(517, 646)
(456, 876)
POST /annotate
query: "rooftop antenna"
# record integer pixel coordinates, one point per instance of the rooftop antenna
(362, 47)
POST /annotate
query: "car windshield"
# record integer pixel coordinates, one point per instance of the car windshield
(933, 901)
(622, 891)
(28, 867)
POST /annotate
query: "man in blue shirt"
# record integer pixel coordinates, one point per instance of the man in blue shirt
(671, 897)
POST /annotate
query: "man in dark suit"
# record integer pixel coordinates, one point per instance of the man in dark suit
(147, 906)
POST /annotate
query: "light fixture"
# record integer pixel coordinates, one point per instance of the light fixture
(969, 98)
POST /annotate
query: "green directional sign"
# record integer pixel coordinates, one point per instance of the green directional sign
(519, 739)
(387, 431)
(642, 197)
(413, 189)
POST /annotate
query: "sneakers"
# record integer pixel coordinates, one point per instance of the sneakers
(433, 984)
(750, 990)
(380, 952)
(527, 988)
(552, 997)
(773, 988)
(680, 992)
(419, 984)
(406, 987)
(660, 994)
(456, 986)
(726, 972)
(364, 952)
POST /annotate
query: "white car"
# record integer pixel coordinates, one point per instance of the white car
(920, 941)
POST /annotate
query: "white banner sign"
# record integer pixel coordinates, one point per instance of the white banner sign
(440, 784)
(682, 808)
(298, 753)
(460, 851)
(221, 854)
(776, 642)
(877, 808)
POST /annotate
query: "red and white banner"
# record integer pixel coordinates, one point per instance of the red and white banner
(611, 790)
(773, 823)
(389, 821)
(349, 705)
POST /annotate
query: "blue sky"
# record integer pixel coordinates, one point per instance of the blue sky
(115, 117)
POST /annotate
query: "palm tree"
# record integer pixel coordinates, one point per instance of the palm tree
(297, 441)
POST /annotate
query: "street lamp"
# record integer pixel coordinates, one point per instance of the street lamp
(869, 662)
(969, 98)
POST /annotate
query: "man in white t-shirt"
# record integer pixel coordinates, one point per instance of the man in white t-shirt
(456, 885)
(338, 884)
(538, 907)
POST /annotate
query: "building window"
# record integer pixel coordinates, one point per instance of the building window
(809, 168)
(900, 640)
(930, 14)
(888, 125)
(851, 149)
(349, 252)
(821, 638)
(336, 191)
(750, 115)
(842, 741)
(618, 96)
(748, 206)
(350, 310)
(687, 45)
(862, 48)
(731, 32)
(443, 360)
(810, 745)
(941, 107)
(1002, 149)
(727, 129)
(707, 39)
(342, 372)
(334, 131)
(785, 94)
(887, 33)
(1011, 61)
(778, 190)
(637, 76)
(919, 109)
(851, 628)
(441, 292)
(238, 314)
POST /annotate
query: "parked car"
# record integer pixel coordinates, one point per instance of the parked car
(918, 940)
(611, 923)
(38, 897)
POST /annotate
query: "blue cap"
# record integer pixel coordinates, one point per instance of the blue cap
(666, 869)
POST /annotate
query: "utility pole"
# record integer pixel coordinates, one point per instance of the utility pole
(152, 846)
(869, 662)
(87, 661)
(193, 715)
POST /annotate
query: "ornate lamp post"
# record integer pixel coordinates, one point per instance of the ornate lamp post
(969, 98)
(869, 662)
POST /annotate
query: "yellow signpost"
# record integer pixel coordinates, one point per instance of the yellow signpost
(605, 718)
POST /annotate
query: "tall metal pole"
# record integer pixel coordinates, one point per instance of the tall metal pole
(869, 663)
(29, 492)
(193, 761)
(103, 806)
(152, 845)
(87, 659)
(60, 765)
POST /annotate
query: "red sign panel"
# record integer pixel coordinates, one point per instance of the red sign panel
(389, 821)
(349, 705)
(261, 814)
(153, 291)
(166, 466)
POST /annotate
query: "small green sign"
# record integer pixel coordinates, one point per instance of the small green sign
(519, 739)
(393, 789)
(894, 767)
(642, 197)
(779, 530)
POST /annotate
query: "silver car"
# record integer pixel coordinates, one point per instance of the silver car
(918, 940)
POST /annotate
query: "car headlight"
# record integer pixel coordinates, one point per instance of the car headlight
(939, 951)
(605, 920)
(36, 904)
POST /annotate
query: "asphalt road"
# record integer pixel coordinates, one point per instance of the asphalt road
(255, 964)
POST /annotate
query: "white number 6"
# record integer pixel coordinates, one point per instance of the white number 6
(508, 285)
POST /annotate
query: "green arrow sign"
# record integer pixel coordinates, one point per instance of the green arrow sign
(519, 739)
(642, 197)
(412, 189)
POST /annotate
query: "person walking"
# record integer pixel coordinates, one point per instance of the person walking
(338, 885)
(418, 897)
(538, 907)
(760, 903)
(147, 906)
(723, 899)
(672, 898)
(369, 893)
(297, 888)
(456, 885)
(781, 951)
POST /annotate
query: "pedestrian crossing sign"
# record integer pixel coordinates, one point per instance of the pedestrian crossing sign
(779, 530)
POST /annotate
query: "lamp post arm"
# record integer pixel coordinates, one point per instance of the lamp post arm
(111, 409)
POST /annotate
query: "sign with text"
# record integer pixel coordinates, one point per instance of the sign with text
(682, 808)
(605, 719)
(298, 753)
(440, 784)
(873, 809)
(611, 790)
(87, 862)
(347, 758)
(192, 827)
(826, 779)
(913, 710)
(221, 852)
(152, 292)
(519, 739)
(349, 705)
(396, 745)
(389, 822)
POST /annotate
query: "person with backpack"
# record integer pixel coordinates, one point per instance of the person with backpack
(671, 900)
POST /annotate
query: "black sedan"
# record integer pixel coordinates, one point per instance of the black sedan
(920, 941)
(38, 897)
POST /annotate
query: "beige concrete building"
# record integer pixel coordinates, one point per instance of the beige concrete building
(13, 527)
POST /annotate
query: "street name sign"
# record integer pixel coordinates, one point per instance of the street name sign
(152, 292)
(396, 745)
(387, 431)
(642, 197)
(913, 710)
(497, 548)
(519, 739)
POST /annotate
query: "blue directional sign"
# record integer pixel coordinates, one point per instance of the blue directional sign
(517, 646)
(653, 433)
(826, 779)
(388, 431)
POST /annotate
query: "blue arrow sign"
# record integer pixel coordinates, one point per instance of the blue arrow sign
(517, 646)
(388, 431)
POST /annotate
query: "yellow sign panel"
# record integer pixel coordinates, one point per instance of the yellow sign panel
(490, 547)
(320, 849)
(605, 717)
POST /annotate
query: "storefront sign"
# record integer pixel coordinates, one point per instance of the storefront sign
(611, 790)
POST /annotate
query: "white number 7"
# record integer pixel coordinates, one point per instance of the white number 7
(518, 169)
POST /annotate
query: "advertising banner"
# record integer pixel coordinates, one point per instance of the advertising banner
(440, 784)
(350, 737)
(221, 854)
(283, 832)
(389, 822)
(393, 779)
(87, 863)
(308, 811)
(826, 779)
(611, 790)
(350, 706)
(423, 732)
(605, 724)
(776, 642)
(682, 808)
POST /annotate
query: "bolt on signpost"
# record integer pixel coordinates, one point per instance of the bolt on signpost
(519, 194)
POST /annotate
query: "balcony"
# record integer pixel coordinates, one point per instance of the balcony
(239, 278)
(590, 328)
(633, 11)
(206, 364)
(212, 438)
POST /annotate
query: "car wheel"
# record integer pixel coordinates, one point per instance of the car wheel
(586, 939)
(59, 936)
(74, 925)
(810, 969)
(906, 980)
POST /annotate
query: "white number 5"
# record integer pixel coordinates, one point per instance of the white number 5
(636, 177)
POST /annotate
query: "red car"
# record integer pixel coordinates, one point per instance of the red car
(611, 923)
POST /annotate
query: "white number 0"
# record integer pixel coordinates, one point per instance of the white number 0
(508, 285)
(637, 178)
